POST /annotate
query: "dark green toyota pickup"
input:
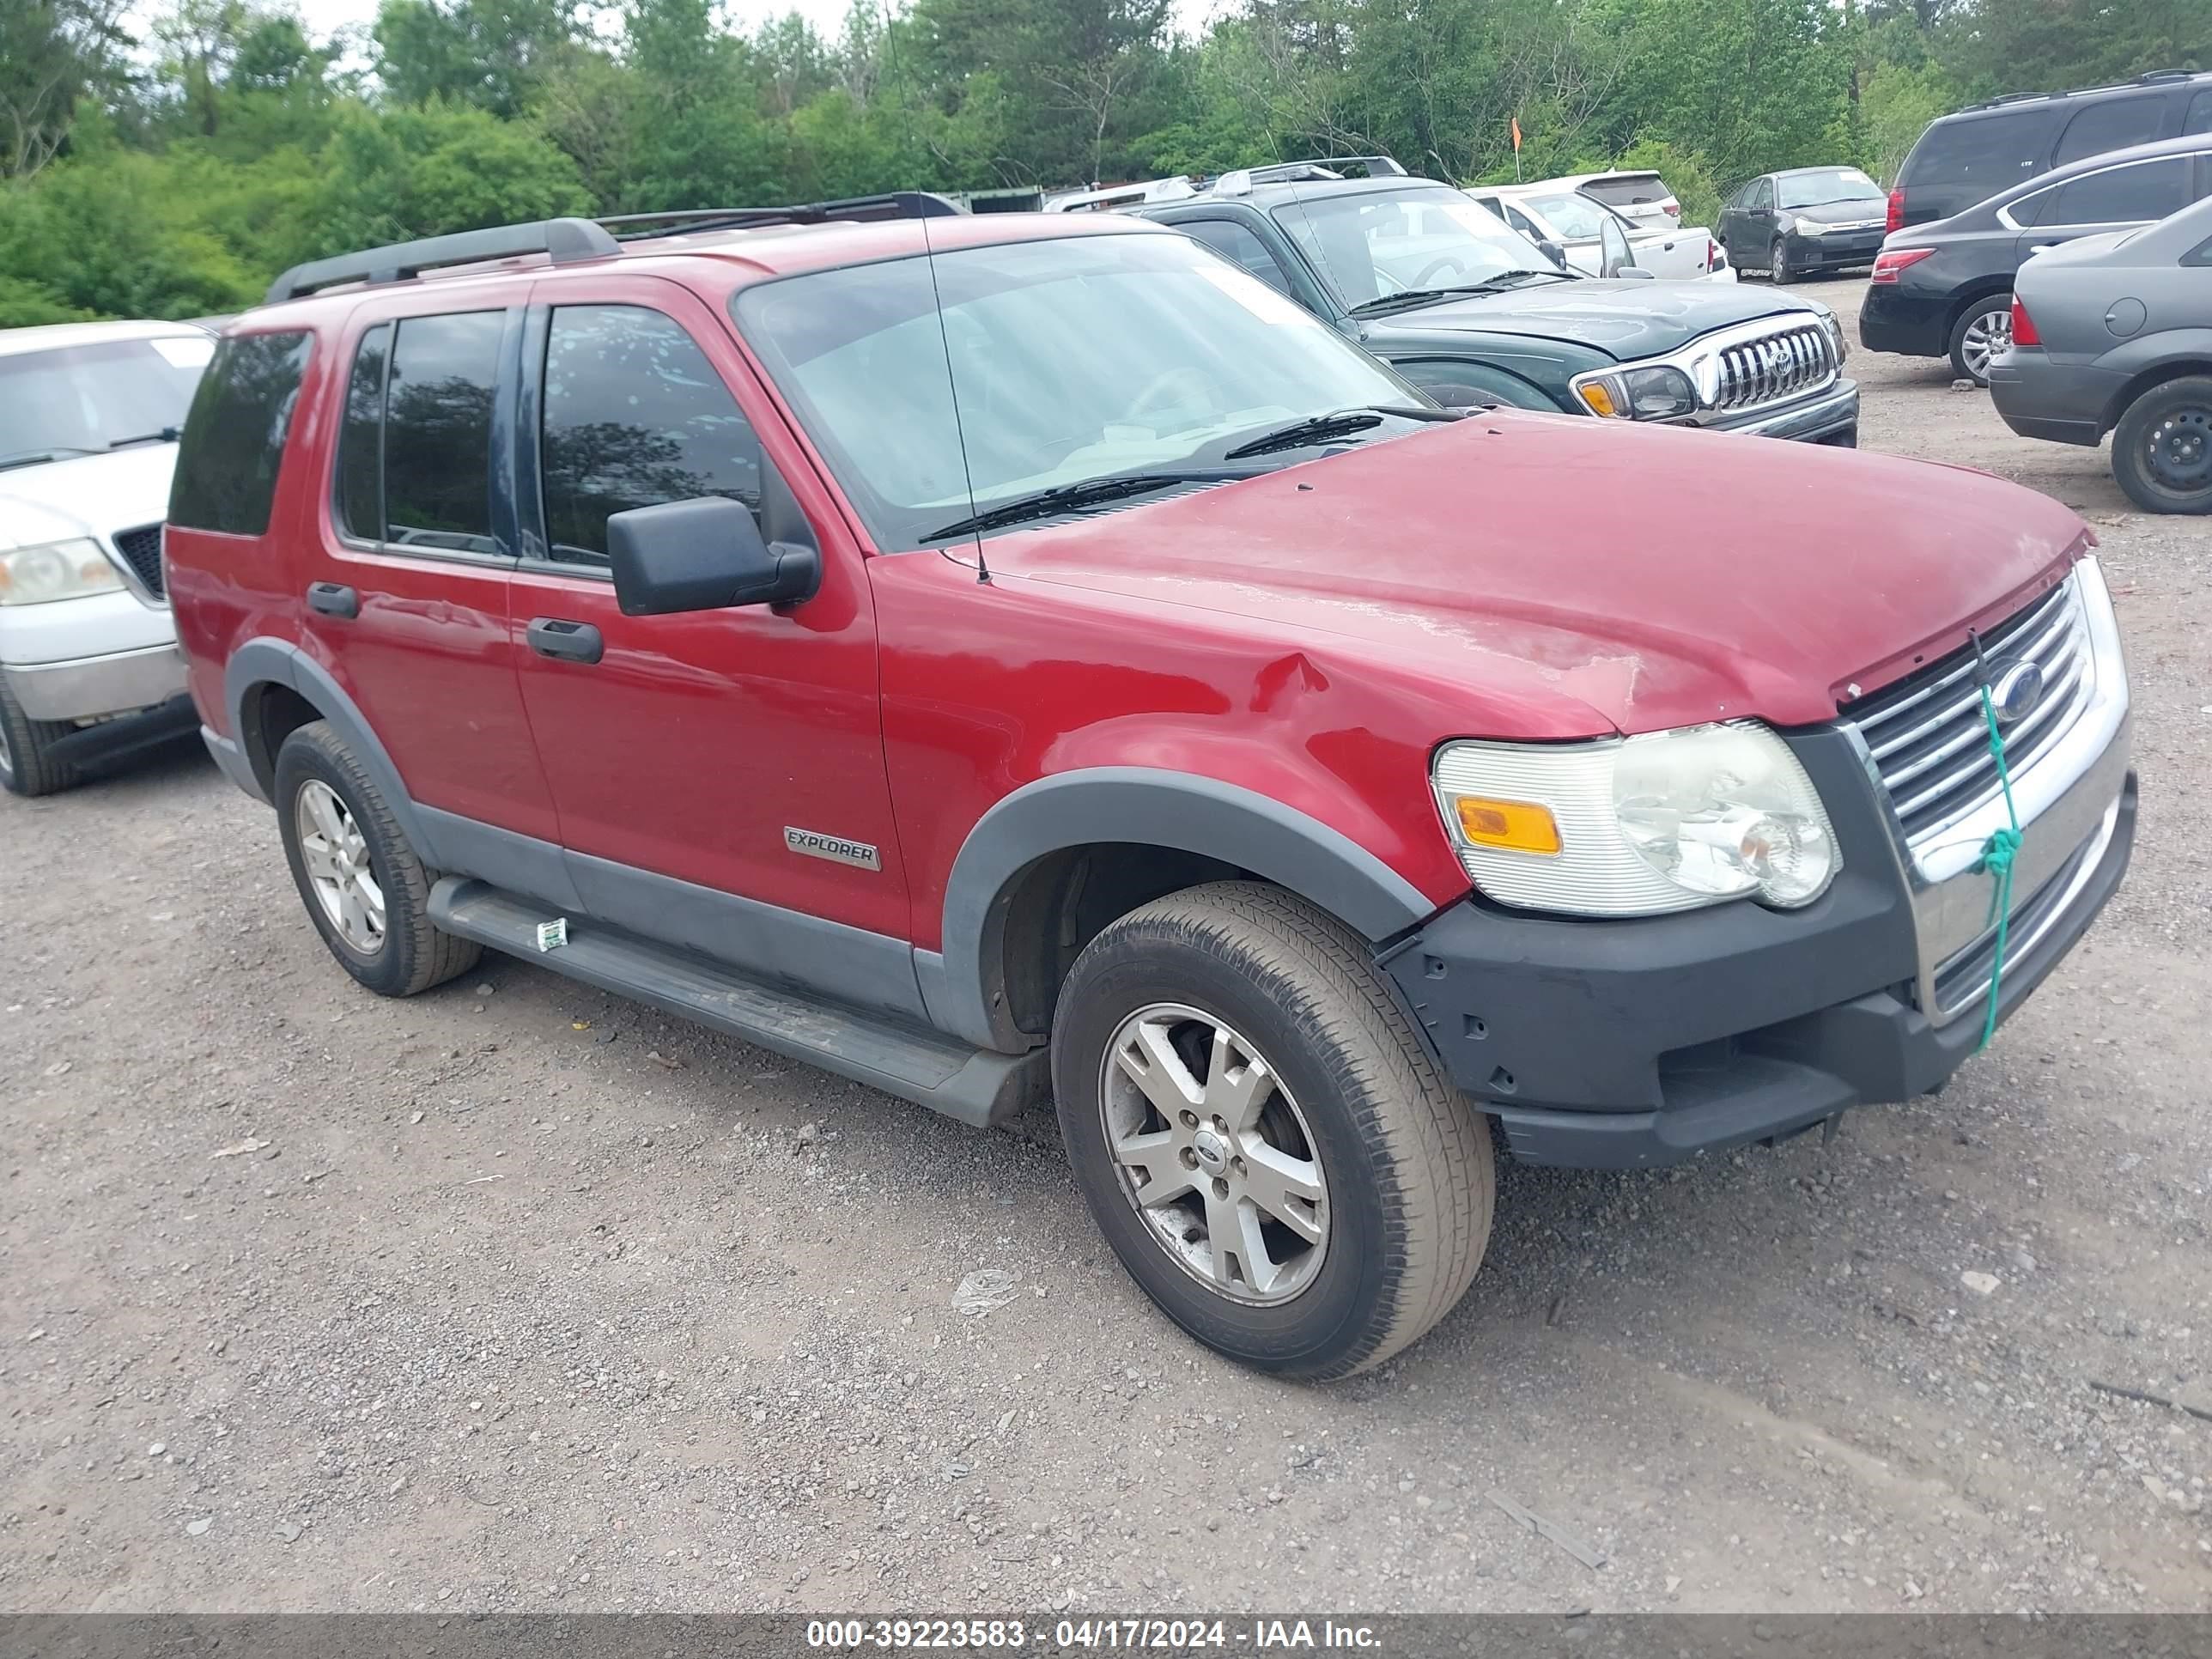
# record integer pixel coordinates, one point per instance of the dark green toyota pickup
(1469, 309)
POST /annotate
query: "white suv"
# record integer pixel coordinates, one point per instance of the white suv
(89, 419)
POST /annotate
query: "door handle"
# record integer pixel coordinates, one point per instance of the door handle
(2045, 247)
(333, 599)
(564, 640)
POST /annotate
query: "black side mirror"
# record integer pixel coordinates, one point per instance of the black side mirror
(1552, 250)
(703, 554)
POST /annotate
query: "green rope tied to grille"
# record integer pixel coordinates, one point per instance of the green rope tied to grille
(1996, 860)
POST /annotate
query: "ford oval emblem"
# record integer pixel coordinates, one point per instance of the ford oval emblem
(2015, 693)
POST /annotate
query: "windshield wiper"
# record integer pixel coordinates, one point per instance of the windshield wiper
(1070, 497)
(167, 435)
(1343, 424)
(1837, 201)
(34, 457)
(1421, 296)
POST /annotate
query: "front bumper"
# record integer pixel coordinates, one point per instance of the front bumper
(1639, 1042)
(90, 687)
(2059, 403)
(1848, 250)
(1829, 417)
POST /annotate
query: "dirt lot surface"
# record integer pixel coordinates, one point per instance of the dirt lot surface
(517, 1297)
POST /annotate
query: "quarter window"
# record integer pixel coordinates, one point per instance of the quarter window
(360, 444)
(634, 415)
(233, 439)
(2199, 118)
(437, 432)
(1236, 242)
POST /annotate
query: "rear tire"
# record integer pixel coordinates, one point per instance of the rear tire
(1354, 1184)
(2162, 447)
(25, 768)
(366, 888)
(1982, 332)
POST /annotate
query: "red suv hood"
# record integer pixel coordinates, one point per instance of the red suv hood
(1568, 577)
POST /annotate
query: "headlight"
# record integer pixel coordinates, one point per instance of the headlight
(1800, 227)
(1638, 826)
(55, 570)
(1651, 393)
(1835, 327)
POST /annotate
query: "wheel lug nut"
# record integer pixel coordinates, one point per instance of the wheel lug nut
(1221, 1124)
(1220, 1187)
(1237, 1164)
(1189, 1158)
(1190, 1119)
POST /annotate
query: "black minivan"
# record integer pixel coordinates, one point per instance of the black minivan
(1969, 157)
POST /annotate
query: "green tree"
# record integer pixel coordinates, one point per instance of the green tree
(491, 54)
(53, 54)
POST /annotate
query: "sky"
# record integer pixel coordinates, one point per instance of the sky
(323, 17)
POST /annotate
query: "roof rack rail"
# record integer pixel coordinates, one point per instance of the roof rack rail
(894, 204)
(566, 240)
(1378, 167)
(2159, 77)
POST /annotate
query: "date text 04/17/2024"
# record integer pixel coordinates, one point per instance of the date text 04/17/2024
(1168, 1635)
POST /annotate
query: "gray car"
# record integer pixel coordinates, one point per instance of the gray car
(2113, 334)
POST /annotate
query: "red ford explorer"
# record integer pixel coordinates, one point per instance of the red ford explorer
(1010, 656)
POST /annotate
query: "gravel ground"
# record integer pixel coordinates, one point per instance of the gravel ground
(515, 1297)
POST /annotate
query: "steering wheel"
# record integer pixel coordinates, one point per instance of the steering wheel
(1182, 384)
(1444, 264)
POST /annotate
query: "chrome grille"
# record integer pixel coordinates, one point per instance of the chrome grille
(1927, 735)
(141, 550)
(1775, 368)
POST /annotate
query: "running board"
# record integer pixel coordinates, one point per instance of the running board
(975, 1086)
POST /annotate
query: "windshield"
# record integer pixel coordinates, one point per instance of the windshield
(1828, 185)
(1572, 213)
(1074, 359)
(85, 399)
(1376, 244)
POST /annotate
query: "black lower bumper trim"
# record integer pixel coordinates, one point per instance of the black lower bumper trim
(111, 743)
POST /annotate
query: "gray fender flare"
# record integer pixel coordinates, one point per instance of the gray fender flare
(269, 661)
(1149, 807)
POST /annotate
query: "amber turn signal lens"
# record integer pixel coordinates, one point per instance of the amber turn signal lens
(1520, 825)
(1600, 400)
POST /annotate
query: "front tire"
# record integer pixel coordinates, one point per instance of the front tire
(1777, 265)
(25, 768)
(2162, 447)
(1261, 1137)
(1983, 332)
(366, 888)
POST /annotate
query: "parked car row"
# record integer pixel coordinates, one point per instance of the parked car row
(89, 415)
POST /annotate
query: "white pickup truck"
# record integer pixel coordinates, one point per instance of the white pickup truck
(1555, 216)
(89, 661)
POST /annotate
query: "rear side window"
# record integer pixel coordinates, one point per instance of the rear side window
(2199, 118)
(2144, 190)
(1990, 151)
(1627, 189)
(233, 439)
(437, 432)
(635, 416)
(2113, 124)
(1237, 243)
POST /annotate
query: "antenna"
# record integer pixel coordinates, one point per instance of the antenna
(952, 386)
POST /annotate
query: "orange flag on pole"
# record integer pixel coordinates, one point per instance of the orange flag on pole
(1517, 134)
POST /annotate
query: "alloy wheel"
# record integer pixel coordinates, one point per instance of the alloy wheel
(1988, 337)
(2180, 445)
(1214, 1153)
(336, 856)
